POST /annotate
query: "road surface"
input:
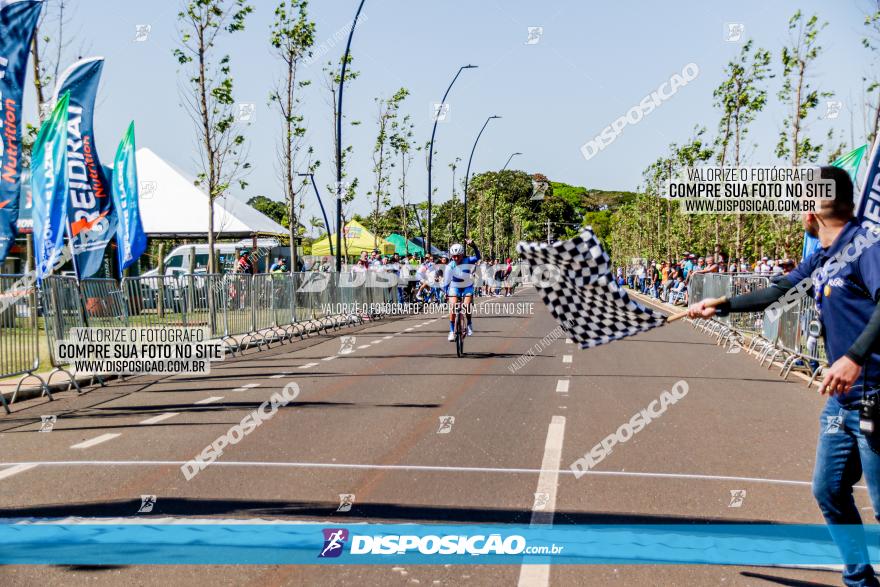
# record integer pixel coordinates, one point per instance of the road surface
(366, 423)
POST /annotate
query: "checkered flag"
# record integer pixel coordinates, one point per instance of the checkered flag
(582, 294)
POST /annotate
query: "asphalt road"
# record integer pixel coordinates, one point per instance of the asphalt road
(366, 423)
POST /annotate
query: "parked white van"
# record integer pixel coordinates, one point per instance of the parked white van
(178, 262)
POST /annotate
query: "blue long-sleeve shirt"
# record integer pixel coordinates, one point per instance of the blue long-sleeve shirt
(460, 275)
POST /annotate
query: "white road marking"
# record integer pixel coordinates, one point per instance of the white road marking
(566, 358)
(424, 468)
(210, 400)
(330, 358)
(376, 341)
(419, 325)
(307, 366)
(279, 375)
(568, 341)
(6, 473)
(364, 346)
(97, 440)
(531, 574)
(389, 337)
(562, 386)
(548, 479)
(407, 330)
(246, 387)
(159, 418)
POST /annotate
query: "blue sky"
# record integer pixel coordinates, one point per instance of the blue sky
(594, 61)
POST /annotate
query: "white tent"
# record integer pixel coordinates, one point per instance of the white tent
(173, 206)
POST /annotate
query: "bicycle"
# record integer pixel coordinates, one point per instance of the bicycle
(460, 328)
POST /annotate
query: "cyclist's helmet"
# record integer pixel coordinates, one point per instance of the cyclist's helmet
(456, 249)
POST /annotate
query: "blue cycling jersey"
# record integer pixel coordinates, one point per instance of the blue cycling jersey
(460, 274)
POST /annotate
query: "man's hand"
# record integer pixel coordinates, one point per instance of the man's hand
(840, 376)
(700, 310)
(468, 241)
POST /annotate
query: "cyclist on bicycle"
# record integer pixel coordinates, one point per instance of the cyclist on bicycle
(461, 283)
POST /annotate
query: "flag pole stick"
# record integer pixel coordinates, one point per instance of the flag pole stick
(72, 249)
(711, 303)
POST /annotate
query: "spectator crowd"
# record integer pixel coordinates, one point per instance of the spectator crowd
(668, 280)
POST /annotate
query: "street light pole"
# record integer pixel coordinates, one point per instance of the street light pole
(467, 174)
(509, 159)
(431, 149)
(339, 143)
(323, 211)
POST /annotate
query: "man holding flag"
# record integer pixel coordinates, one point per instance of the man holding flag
(843, 275)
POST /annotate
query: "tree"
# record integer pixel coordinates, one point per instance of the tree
(47, 53)
(277, 211)
(741, 96)
(871, 41)
(292, 38)
(797, 91)
(802, 99)
(47, 49)
(382, 160)
(403, 145)
(208, 97)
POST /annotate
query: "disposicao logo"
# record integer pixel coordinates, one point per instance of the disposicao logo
(334, 542)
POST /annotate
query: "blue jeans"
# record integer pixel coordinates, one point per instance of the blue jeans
(843, 454)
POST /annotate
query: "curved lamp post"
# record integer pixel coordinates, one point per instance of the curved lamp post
(323, 211)
(427, 242)
(509, 159)
(467, 174)
(494, 196)
(339, 143)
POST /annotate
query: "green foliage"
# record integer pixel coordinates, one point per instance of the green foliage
(797, 90)
(274, 209)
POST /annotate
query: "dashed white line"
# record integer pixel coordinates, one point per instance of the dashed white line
(279, 375)
(247, 386)
(210, 400)
(330, 358)
(159, 418)
(407, 329)
(562, 386)
(307, 366)
(363, 346)
(389, 337)
(376, 341)
(96, 440)
(566, 358)
(6, 473)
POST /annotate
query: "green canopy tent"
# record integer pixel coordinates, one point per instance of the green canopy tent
(403, 246)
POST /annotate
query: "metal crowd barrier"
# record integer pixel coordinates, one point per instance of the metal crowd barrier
(62, 310)
(19, 332)
(103, 302)
(243, 310)
(156, 301)
(775, 337)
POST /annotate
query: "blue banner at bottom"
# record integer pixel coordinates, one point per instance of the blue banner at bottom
(299, 544)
